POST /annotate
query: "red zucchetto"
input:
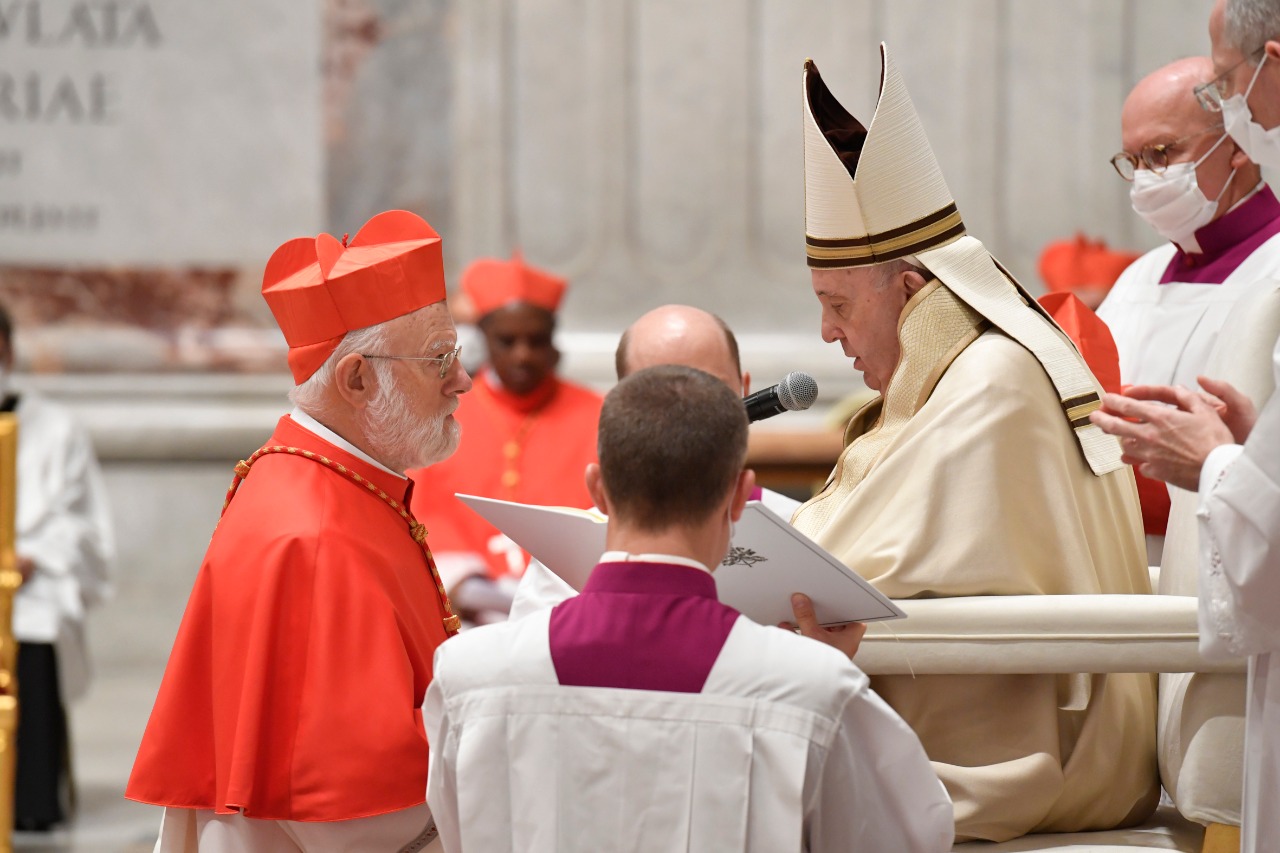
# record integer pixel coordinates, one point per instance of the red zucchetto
(1070, 265)
(318, 289)
(491, 284)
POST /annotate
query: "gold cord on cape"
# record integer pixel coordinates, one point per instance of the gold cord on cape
(934, 328)
(416, 529)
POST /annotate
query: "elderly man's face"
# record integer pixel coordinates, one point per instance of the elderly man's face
(1162, 110)
(860, 311)
(410, 421)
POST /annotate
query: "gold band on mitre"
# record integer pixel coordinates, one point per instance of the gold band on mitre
(939, 227)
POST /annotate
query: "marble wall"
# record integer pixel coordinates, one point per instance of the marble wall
(653, 152)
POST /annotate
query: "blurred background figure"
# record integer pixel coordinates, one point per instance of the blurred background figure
(1195, 186)
(1088, 268)
(1079, 273)
(65, 550)
(527, 435)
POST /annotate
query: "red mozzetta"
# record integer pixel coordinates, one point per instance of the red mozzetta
(294, 690)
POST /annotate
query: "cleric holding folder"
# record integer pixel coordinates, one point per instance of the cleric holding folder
(643, 713)
(975, 472)
(289, 717)
(686, 336)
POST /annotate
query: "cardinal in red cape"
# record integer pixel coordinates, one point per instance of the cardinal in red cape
(1087, 268)
(527, 436)
(290, 714)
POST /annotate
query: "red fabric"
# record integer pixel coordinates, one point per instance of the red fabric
(318, 290)
(1090, 335)
(1081, 262)
(1153, 495)
(295, 685)
(508, 451)
(491, 284)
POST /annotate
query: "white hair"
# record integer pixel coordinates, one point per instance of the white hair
(397, 436)
(910, 263)
(309, 395)
(1248, 24)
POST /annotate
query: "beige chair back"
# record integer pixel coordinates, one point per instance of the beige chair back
(1201, 715)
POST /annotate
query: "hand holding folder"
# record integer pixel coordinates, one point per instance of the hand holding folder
(768, 560)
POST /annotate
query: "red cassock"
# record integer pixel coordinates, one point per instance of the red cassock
(531, 449)
(294, 689)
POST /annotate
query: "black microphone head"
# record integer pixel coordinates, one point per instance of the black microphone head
(797, 391)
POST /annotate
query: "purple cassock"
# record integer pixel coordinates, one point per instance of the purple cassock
(1227, 241)
(642, 626)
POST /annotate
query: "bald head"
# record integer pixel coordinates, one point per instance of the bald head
(681, 335)
(1163, 106)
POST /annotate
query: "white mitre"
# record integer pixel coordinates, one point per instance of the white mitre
(876, 195)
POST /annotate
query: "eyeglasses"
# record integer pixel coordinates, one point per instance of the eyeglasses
(1212, 94)
(446, 360)
(1154, 157)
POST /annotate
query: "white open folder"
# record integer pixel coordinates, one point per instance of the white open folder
(768, 560)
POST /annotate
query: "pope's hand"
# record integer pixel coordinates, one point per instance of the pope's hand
(845, 638)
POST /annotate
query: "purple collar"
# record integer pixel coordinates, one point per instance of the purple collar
(640, 626)
(1226, 242)
(641, 578)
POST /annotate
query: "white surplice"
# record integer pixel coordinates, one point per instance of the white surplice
(784, 749)
(1240, 600)
(1165, 332)
(63, 524)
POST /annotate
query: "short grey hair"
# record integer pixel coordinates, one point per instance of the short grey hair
(309, 395)
(889, 269)
(1248, 24)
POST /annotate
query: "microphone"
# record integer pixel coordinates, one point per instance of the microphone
(794, 393)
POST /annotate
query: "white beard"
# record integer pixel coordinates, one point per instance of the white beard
(398, 437)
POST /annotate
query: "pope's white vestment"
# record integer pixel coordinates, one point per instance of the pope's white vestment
(965, 479)
(643, 716)
(1240, 600)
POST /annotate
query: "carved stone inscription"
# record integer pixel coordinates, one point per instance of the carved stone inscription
(157, 132)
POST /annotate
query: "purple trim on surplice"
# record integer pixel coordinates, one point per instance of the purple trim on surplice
(643, 626)
(1227, 241)
(757, 493)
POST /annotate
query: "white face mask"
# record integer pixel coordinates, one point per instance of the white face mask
(1171, 202)
(1262, 145)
